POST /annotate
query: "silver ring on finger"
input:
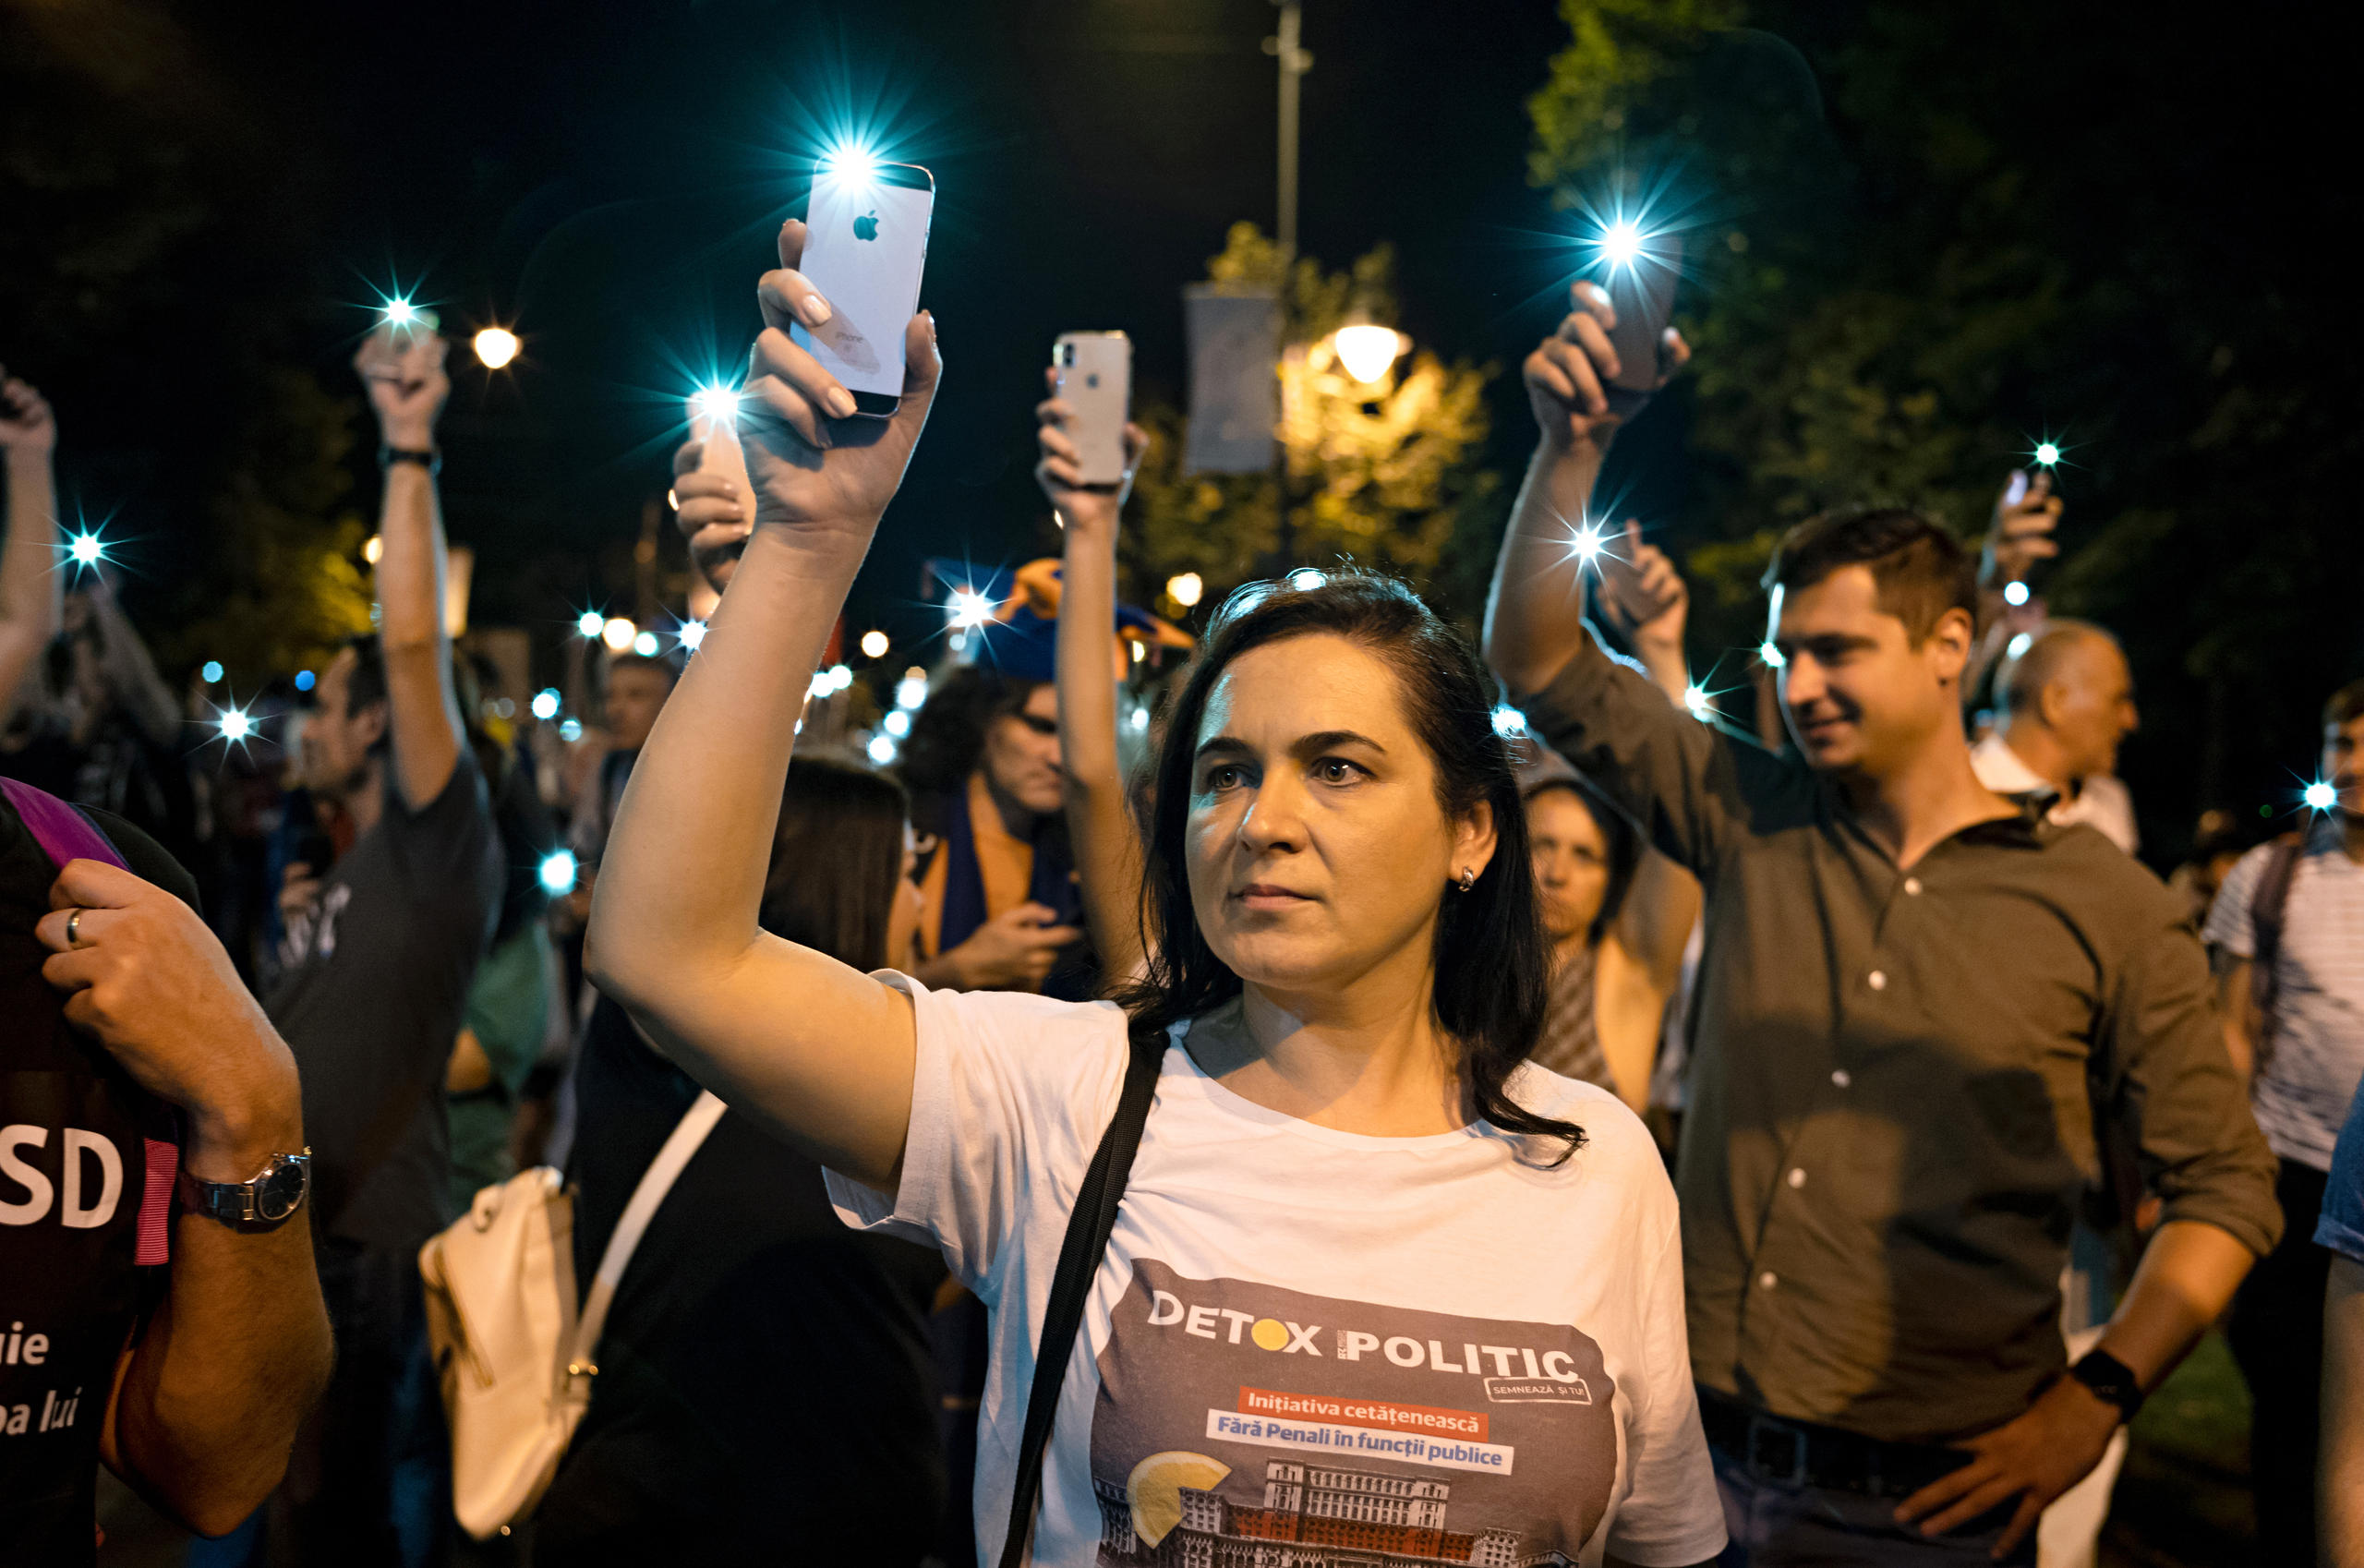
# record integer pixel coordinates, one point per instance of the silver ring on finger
(74, 929)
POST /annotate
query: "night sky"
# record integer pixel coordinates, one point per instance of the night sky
(608, 179)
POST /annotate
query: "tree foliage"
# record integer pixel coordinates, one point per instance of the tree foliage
(1382, 475)
(1918, 239)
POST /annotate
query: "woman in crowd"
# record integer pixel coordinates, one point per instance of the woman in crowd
(764, 1392)
(1354, 1203)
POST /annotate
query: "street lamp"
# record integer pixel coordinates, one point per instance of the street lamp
(1367, 351)
(496, 346)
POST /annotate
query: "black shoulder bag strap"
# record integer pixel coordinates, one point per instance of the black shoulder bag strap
(2268, 907)
(1086, 1243)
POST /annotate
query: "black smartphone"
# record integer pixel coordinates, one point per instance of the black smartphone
(1642, 291)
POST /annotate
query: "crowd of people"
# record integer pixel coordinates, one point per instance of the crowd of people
(1444, 1103)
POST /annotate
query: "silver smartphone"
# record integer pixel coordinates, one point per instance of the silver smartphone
(1642, 294)
(865, 246)
(1094, 373)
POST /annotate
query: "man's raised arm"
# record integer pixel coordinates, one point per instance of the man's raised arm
(29, 578)
(403, 367)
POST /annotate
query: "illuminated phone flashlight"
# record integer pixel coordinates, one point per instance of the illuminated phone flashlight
(851, 162)
(86, 549)
(401, 313)
(692, 635)
(2320, 796)
(558, 872)
(234, 724)
(2015, 594)
(717, 405)
(1589, 544)
(545, 705)
(1621, 243)
(590, 623)
(2048, 454)
(969, 609)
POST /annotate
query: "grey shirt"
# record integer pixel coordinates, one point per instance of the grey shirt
(373, 1000)
(1896, 1075)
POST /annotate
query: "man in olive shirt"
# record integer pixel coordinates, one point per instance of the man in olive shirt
(1913, 998)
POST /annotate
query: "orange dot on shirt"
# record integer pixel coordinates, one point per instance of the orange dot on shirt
(1269, 1333)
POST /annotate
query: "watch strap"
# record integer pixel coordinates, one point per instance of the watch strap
(427, 458)
(2111, 1381)
(266, 1202)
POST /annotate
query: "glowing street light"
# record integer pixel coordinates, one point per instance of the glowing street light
(1368, 351)
(496, 346)
(875, 644)
(618, 633)
(2320, 796)
(691, 634)
(558, 872)
(1185, 589)
(590, 623)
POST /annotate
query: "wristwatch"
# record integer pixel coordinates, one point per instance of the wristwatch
(2112, 1380)
(426, 457)
(261, 1204)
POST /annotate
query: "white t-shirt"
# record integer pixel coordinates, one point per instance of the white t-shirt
(1424, 1346)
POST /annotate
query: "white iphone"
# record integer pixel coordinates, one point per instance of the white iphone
(1095, 376)
(865, 249)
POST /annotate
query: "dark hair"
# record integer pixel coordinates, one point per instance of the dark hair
(948, 732)
(1920, 568)
(645, 661)
(367, 688)
(837, 856)
(1624, 849)
(2346, 704)
(1492, 967)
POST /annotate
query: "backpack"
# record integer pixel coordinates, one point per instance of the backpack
(514, 1356)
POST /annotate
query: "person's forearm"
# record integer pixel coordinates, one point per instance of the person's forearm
(683, 876)
(1534, 611)
(239, 1350)
(1664, 664)
(423, 711)
(1107, 851)
(2340, 1478)
(132, 673)
(2186, 1280)
(30, 584)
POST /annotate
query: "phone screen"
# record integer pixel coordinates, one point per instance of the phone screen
(864, 250)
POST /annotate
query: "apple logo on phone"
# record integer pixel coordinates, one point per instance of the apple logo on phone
(866, 227)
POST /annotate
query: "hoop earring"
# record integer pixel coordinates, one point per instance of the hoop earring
(1469, 879)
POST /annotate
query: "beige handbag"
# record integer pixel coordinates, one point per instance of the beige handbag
(514, 1356)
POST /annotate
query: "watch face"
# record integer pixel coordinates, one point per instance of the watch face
(282, 1190)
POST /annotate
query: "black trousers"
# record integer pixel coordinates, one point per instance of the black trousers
(2277, 1336)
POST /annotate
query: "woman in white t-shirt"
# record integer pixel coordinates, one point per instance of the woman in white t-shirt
(1376, 1284)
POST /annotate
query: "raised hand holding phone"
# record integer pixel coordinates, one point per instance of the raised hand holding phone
(813, 464)
(2027, 518)
(714, 502)
(1080, 502)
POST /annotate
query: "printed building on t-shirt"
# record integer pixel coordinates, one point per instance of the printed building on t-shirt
(1331, 1518)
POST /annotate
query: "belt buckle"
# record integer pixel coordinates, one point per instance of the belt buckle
(1761, 1427)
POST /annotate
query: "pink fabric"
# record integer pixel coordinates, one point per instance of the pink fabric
(156, 1204)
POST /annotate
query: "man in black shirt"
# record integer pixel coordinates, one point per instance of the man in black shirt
(379, 958)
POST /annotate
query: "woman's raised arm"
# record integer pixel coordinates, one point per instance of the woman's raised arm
(819, 1051)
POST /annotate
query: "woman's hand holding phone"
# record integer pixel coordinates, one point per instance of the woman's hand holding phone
(1090, 508)
(817, 470)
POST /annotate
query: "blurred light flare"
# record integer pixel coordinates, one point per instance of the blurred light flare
(373, 549)
(305, 680)
(645, 644)
(839, 677)
(896, 723)
(2048, 454)
(496, 346)
(570, 731)
(618, 633)
(1140, 719)
(1621, 243)
(212, 670)
(400, 312)
(2319, 796)
(1589, 544)
(545, 705)
(1769, 656)
(875, 644)
(1509, 722)
(1185, 588)
(715, 405)
(692, 635)
(882, 749)
(1695, 698)
(86, 549)
(234, 724)
(968, 608)
(558, 872)
(2015, 594)
(910, 691)
(589, 624)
